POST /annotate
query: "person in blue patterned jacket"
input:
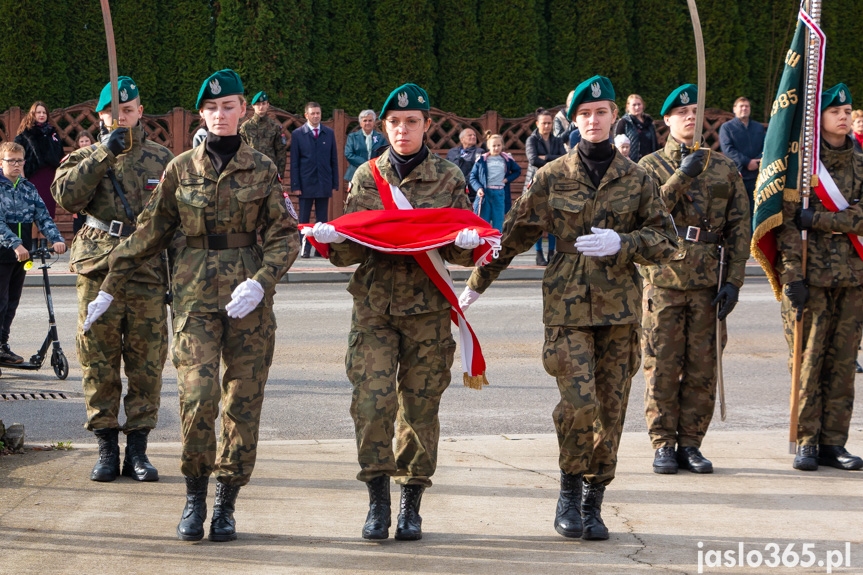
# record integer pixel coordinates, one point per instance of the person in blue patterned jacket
(20, 208)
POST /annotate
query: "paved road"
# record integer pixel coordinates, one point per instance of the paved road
(308, 395)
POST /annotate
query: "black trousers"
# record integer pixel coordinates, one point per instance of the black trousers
(322, 214)
(11, 283)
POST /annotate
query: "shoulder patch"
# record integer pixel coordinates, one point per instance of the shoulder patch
(290, 205)
(66, 157)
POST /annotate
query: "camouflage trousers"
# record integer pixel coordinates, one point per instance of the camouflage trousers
(594, 368)
(201, 342)
(399, 367)
(132, 329)
(679, 345)
(832, 326)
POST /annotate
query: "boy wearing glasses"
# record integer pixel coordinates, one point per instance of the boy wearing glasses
(20, 208)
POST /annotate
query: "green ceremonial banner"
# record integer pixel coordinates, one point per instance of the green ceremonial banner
(780, 163)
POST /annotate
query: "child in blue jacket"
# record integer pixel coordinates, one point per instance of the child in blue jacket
(490, 177)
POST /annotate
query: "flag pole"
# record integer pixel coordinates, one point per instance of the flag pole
(808, 160)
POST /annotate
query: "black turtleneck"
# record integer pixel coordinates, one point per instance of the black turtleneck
(596, 158)
(404, 165)
(221, 149)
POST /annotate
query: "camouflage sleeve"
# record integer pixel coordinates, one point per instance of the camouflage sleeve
(672, 188)
(154, 234)
(655, 242)
(280, 145)
(43, 220)
(848, 221)
(279, 236)
(788, 244)
(738, 230)
(348, 253)
(523, 225)
(244, 133)
(77, 178)
(451, 252)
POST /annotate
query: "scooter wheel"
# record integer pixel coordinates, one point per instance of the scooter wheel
(61, 365)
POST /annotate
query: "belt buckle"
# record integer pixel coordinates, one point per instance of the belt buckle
(115, 228)
(693, 233)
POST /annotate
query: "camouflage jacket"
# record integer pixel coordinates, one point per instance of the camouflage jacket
(395, 284)
(267, 136)
(195, 200)
(719, 194)
(20, 204)
(832, 260)
(581, 291)
(81, 184)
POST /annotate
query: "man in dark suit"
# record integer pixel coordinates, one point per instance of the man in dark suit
(314, 168)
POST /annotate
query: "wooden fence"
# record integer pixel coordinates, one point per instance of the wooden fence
(175, 130)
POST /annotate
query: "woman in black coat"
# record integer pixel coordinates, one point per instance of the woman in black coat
(43, 151)
(542, 147)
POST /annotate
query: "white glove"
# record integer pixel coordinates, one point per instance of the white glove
(327, 234)
(244, 299)
(467, 297)
(601, 242)
(97, 307)
(467, 239)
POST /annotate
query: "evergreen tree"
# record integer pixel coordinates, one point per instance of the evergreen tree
(137, 27)
(234, 18)
(599, 46)
(403, 45)
(23, 53)
(839, 21)
(324, 63)
(187, 52)
(510, 67)
(460, 55)
(86, 52)
(546, 88)
(725, 47)
(288, 40)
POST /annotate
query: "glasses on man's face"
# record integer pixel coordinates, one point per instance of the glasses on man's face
(410, 124)
(14, 161)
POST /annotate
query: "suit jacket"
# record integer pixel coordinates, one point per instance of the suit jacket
(314, 162)
(356, 152)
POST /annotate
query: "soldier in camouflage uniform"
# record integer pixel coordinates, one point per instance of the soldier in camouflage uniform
(219, 196)
(707, 199)
(85, 182)
(831, 291)
(265, 134)
(607, 216)
(20, 208)
(400, 348)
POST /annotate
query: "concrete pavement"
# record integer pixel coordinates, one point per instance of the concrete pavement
(490, 512)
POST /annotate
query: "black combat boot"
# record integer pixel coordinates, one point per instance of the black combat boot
(838, 457)
(9, 356)
(409, 526)
(108, 466)
(379, 518)
(591, 506)
(191, 526)
(807, 458)
(567, 519)
(540, 261)
(222, 526)
(135, 463)
(664, 461)
(690, 458)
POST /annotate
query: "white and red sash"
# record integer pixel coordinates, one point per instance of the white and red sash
(829, 194)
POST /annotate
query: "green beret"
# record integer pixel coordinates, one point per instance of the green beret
(591, 90)
(683, 96)
(127, 88)
(406, 97)
(222, 83)
(260, 97)
(838, 95)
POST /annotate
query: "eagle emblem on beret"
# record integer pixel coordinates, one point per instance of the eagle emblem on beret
(841, 95)
(403, 99)
(124, 95)
(215, 87)
(421, 100)
(595, 90)
(684, 98)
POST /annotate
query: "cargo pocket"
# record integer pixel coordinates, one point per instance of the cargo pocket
(249, 202)
(555, 353)
(192, 202)
(355, 361)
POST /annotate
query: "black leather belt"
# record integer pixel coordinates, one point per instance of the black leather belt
(222, 241)
(115, 228)
(701, 236)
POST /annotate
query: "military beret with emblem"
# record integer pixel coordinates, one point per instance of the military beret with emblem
(260, 97)
(223, 83)
(593, 89)
(406, 97)
(683, 96)
(838, 95)
(128, 91)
